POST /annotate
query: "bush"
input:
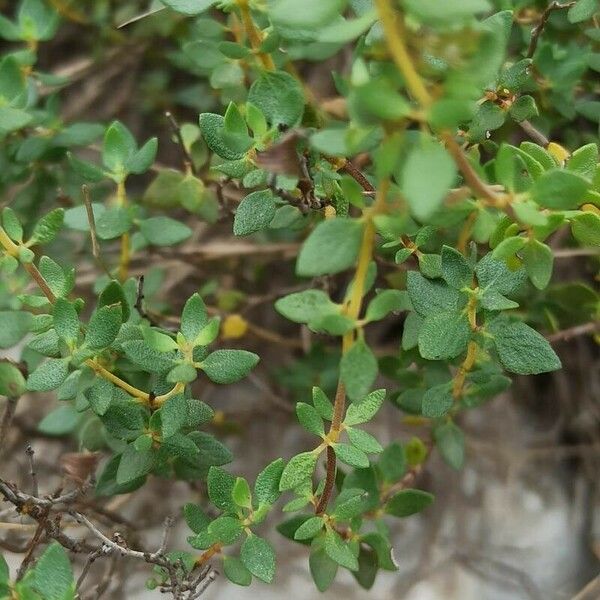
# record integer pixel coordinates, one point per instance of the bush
(424, 163)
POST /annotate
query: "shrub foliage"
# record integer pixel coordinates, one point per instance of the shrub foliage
(427, 190)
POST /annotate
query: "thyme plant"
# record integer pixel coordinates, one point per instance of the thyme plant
(427, 191)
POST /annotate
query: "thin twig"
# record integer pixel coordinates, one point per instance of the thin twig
(102, 551)
(535, 134)
(31, 458)
(188, 161)
(568, 334)
(537, 31)
(93, 235)
(139, 302)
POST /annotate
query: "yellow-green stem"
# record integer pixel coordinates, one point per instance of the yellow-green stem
(13, 250)
(365, 255)
(253, 35)
(125, 256)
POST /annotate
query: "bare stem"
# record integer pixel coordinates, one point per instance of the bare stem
(188, 161)
(537, 31)
(93, 235)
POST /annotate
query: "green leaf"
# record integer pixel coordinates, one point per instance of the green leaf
(431, 11)
(229, 366)
(302, 307)
(392, 462)
(12, 119)
(322, 403)
(431, 297)
(119, 145)
(189, 7)
(87, 171)
(60, 421)
(494, 275)
(365, 409)
(351, 455)
(358, 370)
(350, 503)
(524, 108)
(309, 418)
(152, 361)
(258, 557)
(12, 382)
(582, 11)
(278, 95)
(194, 318)
(450, 441)
(209, 333)
(586, 229)
(235, 133)
(241, 493)
(339, 551)
(437, 401)
(444, 335)
(235, 571)
(143, 158)
(212, 127)
(225, 529)
(183, 373)
(49, 375)
(66, 320)
(456, 271)
(220, 487)
(124, 419)
(100, 395)
(382, 548)
(103, 327)
(584, 161)
(508, 247)
(315, 14)
(164, 231)
(173, 415)
(364, 441)
(159, 341)
(195, 517)
(47, 227)
(322, 568)
(59, 280)
(266, 486)
(428, 174)
(11, 224)
(53, 575)
(559, 189)
(113, 223)
(14, 326)
(134, 464)
(386, 302)
(254, 213)
(309, 529)
(331, 247)
(37, 21)
(408, 502)
(298, 470)
(521, 349)
(538, 260)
